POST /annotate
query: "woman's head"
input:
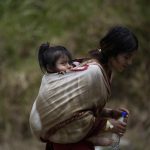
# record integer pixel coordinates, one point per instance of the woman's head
(118, 42)
(53, 58)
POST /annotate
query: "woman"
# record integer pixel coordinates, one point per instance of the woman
(88, 116)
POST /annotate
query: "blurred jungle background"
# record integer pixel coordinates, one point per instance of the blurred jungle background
(78, 25)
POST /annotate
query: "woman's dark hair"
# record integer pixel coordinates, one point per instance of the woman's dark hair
(118, 40)
(48, 55)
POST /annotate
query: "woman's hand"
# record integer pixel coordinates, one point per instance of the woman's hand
(118, 126)
(113, 113)
(116, 113)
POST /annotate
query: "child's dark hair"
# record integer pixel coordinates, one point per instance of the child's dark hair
(118, 40)
(48, 55)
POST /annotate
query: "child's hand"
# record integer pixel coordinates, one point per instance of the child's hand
(62, 72)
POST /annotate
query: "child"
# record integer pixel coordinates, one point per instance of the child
(54, 59)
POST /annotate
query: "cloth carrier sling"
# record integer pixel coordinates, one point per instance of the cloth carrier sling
(67, 105)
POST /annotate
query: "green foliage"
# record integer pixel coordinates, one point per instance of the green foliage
(78, 25)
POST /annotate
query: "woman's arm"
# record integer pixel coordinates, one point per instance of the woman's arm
(113, 113)
(113, 124)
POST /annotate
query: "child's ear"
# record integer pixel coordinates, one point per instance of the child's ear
(49, 70)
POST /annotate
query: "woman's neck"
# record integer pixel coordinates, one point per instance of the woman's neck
(107, 70)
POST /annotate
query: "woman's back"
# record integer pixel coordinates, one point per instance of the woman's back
(61, 96)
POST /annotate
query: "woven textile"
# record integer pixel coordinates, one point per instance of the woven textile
(61, 97)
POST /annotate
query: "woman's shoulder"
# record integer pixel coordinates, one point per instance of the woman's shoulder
(94, 69)
(94, 65)
(90, 61)
(85, 63)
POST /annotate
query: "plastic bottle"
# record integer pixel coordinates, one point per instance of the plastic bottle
(116, 137)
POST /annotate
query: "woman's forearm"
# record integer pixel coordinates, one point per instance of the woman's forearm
(107, 113)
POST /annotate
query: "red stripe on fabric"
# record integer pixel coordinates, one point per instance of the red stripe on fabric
(84, 67)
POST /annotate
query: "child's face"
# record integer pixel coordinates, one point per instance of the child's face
(62, 64)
